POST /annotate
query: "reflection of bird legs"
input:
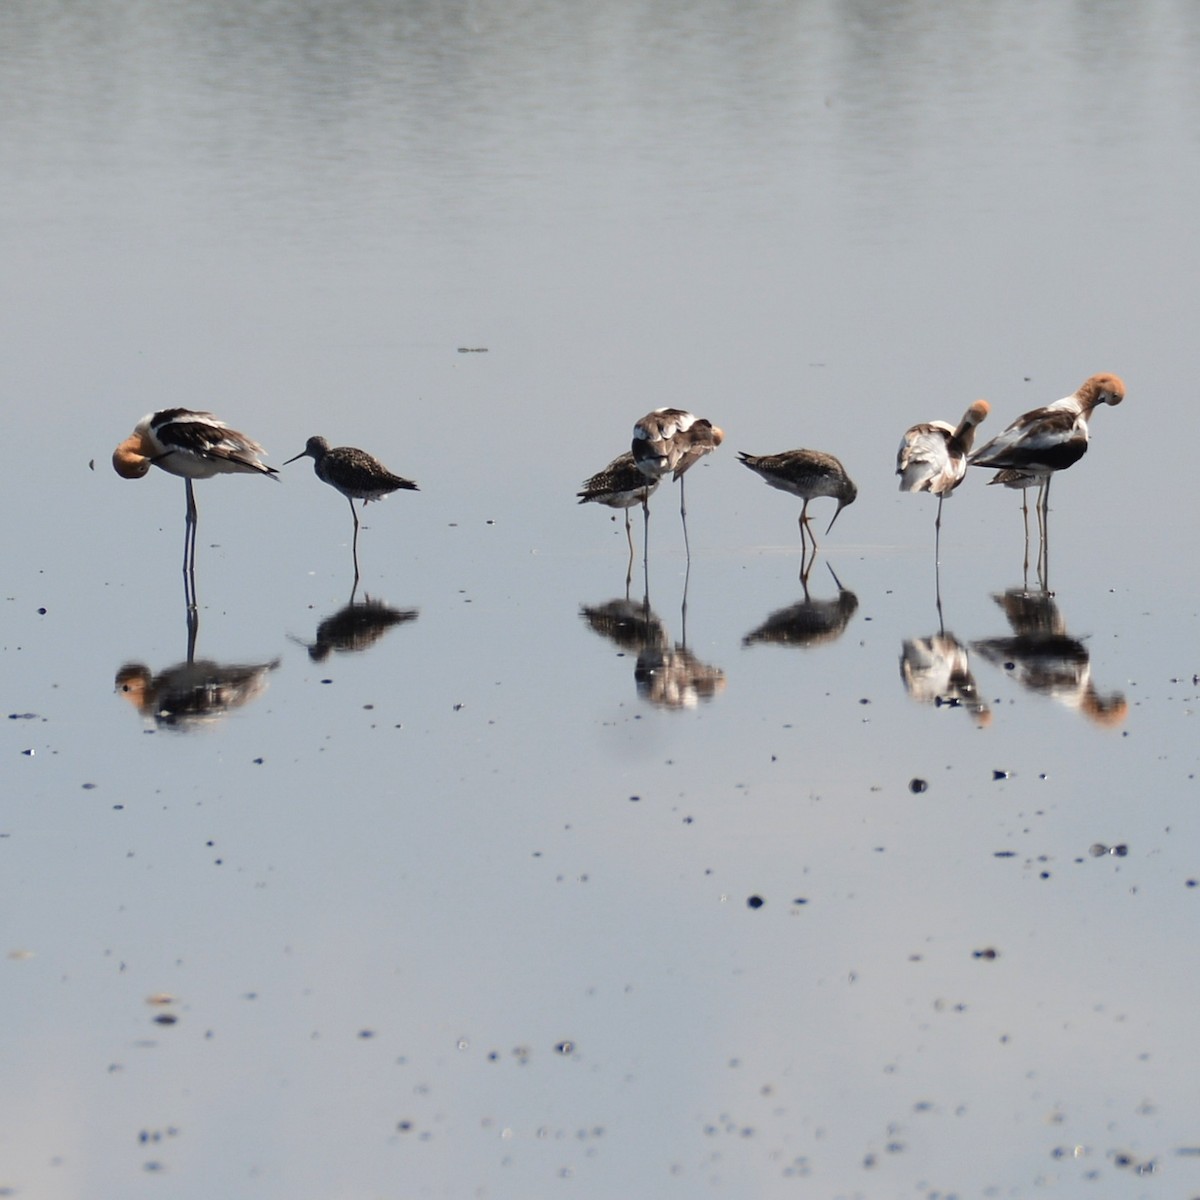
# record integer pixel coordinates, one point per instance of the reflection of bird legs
(806, 565)
(193, 628)
(687, 574)
(937, 588)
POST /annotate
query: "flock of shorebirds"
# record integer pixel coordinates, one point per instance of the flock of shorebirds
(933, 457)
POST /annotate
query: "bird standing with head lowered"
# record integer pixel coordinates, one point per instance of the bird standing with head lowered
(355, 473)
(1045, 440)
(933, 457)
(192, 445)
(808, 474)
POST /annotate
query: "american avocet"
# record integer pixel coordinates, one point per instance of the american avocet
(1048, 439)
(620, 485)
(194, 445)
(355, 473)
(933, 457)
(669, 441)
(937, 670)
(1044, 658)
(192, 694)
(808, 474)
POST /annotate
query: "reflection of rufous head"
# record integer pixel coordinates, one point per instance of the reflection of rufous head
(133, 682)
(129, 460)
(1108, 711)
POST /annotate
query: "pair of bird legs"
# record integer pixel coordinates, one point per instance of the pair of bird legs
(646, 534)
(189, 546)
(1042, 509)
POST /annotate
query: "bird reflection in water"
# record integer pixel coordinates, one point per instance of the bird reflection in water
(937, 669)
(355, 627)
(1045, 659)
(808, 622)
(193, 694)
(667, 674)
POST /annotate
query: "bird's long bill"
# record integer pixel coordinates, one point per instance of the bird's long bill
(294, 457)
(841, 505)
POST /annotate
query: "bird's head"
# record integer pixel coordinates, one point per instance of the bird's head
(129, 459)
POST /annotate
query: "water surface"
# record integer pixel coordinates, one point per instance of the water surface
(462, 898)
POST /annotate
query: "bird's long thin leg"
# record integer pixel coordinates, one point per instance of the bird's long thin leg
(646, 536)
(629, 565)
(1025, 515)
(189, 548)
(937, 533)
(683, 517)
(1044, 551)
(354, 514)
(803, 532)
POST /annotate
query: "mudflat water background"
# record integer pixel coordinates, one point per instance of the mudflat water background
(455, 897)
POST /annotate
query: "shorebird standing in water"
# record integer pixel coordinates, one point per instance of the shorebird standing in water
(933, 458)
(808, 474)
(355, 473)
(1045, 440)
(1048, 439)
(669, 441)
(193, 445)
(621, 485)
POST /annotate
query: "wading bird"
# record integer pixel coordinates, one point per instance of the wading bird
(808, 474)
(621, 485)
(1049, 439)
(933, 457)
(669, 441)
(193, 445)
(355, 473)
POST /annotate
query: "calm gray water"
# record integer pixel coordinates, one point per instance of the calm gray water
(451, 894)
